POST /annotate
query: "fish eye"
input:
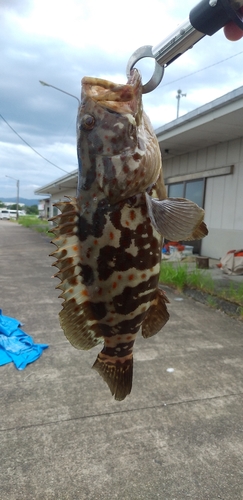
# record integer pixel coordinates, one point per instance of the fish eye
(87, 122)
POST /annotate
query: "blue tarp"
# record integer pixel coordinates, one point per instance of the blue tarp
(16, 345)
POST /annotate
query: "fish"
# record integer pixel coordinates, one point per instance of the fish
(109, 238)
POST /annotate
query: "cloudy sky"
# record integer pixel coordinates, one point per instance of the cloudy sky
(60, 42)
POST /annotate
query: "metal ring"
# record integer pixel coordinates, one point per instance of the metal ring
(146, 51)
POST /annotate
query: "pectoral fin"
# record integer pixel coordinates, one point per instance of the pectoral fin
(177, 218)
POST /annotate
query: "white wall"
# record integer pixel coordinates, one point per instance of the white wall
(224, 203)
(223, 196)
(61, 196)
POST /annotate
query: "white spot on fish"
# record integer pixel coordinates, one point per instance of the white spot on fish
(119, 125)
(170, 370)
(131, 119)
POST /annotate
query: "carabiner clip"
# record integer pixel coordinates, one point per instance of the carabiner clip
(206, 18)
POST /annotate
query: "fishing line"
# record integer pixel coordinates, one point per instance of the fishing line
(27, 144)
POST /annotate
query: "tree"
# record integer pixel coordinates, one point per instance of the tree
(32, 210)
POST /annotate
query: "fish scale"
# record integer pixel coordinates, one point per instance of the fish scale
(109, 238)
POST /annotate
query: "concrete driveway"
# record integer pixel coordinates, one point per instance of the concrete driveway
(178, 436)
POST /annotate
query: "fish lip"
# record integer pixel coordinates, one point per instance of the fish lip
(91, 81)
(120, 98)
(134, 77)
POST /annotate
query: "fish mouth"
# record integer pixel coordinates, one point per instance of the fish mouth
(115, 97)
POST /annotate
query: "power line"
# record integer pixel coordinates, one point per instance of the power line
(163, 85)
(27, 144)
(202, 69)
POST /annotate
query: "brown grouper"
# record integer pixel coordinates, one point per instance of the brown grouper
(109, 238)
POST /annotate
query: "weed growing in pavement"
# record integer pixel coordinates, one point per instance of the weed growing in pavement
(33, 222)
(211, 301)
(179, 276)
(175, 276)
(233, 293)
(200, 280)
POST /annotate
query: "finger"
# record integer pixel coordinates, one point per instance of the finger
(232, 31)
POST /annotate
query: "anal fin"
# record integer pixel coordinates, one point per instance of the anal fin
(157, 315)
(117, 375)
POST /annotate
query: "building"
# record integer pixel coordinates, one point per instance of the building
(57, 190)
(202, 155)
(44, 208)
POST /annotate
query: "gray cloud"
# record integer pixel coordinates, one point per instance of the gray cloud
(46, 118)
(15, 5)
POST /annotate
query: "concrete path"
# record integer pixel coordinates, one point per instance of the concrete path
(178, 436)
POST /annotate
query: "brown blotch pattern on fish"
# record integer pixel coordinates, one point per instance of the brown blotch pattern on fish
(108, 252)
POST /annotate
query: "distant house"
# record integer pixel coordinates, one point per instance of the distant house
(44, 208)
(61, 187)
(202, 155)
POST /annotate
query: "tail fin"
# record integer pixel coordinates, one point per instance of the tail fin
(118, 376)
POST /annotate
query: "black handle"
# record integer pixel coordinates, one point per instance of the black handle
(209, 16)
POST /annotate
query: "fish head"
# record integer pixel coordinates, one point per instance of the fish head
(114, 139)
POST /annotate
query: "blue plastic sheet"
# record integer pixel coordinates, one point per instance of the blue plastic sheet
(15, 345)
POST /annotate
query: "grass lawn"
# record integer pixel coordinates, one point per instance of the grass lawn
(39, 225)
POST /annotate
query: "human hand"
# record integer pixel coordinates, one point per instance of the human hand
(232, 31)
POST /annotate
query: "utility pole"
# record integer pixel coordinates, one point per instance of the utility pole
(178, 97)
(17, 214)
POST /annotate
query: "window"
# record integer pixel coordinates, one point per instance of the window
(194, 191)
(176, 190)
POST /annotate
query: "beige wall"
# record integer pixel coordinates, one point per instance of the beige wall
(61, 197)
(223, 195)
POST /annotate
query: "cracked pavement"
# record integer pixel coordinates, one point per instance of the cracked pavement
(177, 436)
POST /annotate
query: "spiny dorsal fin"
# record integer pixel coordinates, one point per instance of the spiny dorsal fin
(177, 218)
(76, 317)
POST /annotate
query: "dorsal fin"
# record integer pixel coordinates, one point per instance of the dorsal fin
(76, 318)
